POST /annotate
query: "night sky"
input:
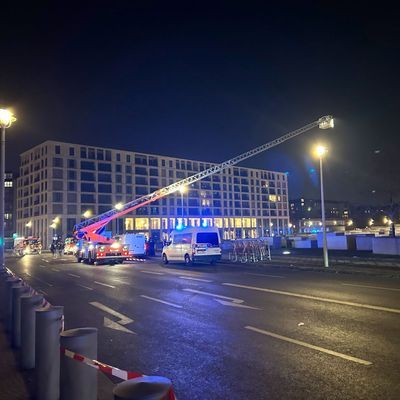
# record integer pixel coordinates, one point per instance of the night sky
(209, 81)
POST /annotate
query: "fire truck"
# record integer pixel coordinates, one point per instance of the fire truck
(95, 246)
(27, 245)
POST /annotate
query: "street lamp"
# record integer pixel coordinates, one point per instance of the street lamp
(320, 152)
(29, 225)
(6, 119)
(182, 189)
(87, 214)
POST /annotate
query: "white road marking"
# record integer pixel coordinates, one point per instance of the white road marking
(121, 282)
(108, 323)
(40, 280)
(27, 273)
(105, 284)
(74, 275)
(86, 287)
(161, 301)
(43, 259)
(55, 270)
(43, 292)
(123, 318)
(269, 276)
(232, 304)
(233, 299)
(305, 296)
(310, 346)
(43, 266)
(195, 279)
(372, 287)
(152, 272)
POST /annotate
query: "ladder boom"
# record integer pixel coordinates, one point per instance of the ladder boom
(95, 223)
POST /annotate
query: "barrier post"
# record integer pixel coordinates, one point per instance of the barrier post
(47, 352)
(17, 292)
(3, 276)
(146, 387)
(28, 306)
(10, 283)
(78, 381)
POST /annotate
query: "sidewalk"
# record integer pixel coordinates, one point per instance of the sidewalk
(12, 384)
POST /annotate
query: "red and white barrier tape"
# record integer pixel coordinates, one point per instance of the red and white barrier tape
(108, 369)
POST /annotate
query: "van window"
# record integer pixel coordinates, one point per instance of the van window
(184, 238)
(208, 237)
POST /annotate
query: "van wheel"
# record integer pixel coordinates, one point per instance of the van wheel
(188, 261)
(164, 259)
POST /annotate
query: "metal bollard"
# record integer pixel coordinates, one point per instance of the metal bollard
(10, 283)
(146, 387)
(16, 293)
(78, 381)
(28, 307)
(47, 352)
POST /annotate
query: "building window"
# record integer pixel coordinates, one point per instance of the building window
(88, 176)
(57, 197)
(83, 152)
(128, 169)
(72, 186)
(118, 157)
(108, 155)
(57, 185)
(88, 198)
(87, 165)
(100, 154)
(104, 167)
(58, 173)
(103, 188)
(104, 177)
(105, 199)
(8, 184)
(71, 174)
(118, 168)
(58, 149)
(128, 158)
(142, 224)
(71, 163)
(57, 162)
(88, 187)
(71, 151)
(91, 153)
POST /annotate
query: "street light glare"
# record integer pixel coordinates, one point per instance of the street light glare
(326, 122)
(182, 189)
(87, 214)
(119, 206)
(6, 118)
(56, 220)
(320, 150)
(28, 224)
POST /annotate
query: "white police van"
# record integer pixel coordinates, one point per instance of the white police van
(190, 245)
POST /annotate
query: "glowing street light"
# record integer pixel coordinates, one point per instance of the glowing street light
(350, 222)
(87, 214)
(370, 222)
(56, 220)
(29, 224)
(320, 151)
(6, 119)
(119, 206)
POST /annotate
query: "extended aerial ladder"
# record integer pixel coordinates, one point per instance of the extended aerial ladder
(92, 229)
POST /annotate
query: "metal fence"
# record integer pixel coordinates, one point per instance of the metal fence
(250, 251)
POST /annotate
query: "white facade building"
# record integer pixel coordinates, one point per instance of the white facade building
(60, 181)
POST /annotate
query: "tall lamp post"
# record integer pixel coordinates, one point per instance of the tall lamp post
(6, 119)
(118, 207)
(320, 151)
(182, 190)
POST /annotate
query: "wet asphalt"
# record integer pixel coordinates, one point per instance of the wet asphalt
(234, 332)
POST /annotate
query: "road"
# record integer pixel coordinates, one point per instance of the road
(231, 332)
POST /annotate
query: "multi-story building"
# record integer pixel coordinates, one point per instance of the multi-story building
(9, 205)
(59, 182)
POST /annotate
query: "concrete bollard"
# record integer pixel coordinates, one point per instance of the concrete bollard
(10, 283)
(3, 276)
(47, 352)
(28, 307)
(16, 293)
(146, 387)
(78, 381)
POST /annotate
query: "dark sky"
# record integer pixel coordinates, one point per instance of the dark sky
(210, 80)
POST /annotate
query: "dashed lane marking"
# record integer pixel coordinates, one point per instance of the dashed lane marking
(152, 272)
(372, 287)
(43, 266)
(233, 299)
(85, 287)
(74, 275)
(105, 284)
(161, 301)
(269, 276)
(194, 279)
(305, 296)
(121, 282)
(55, 270)
(310, 346)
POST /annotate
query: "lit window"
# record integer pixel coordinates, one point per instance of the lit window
(8, 184)
(272, 197)
(142, 223)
